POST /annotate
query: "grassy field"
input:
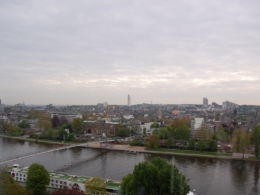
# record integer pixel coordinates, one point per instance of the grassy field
(194, 152)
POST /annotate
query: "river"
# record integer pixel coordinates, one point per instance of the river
(208, 176)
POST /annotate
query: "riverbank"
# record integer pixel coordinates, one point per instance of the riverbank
(138, 149)
(25, 138)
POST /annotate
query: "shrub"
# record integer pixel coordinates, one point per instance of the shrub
(191, 144)
(70, 137)
(213, 145)
(202, 145)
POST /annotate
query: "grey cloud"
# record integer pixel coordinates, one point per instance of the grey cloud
(138, 47)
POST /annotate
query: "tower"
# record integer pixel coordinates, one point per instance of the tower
(128, 100)
(205, 101)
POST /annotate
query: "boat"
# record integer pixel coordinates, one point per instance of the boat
(62, 180)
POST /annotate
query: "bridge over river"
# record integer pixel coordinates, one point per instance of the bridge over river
(49, 151)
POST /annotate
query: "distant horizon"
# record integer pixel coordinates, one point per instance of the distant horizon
(122, 104)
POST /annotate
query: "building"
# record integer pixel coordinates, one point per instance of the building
(99, 126)
(128, 100)
(99, 106)
(205, 102)
(0, 102)
(19, 107)
(105, 104)
(68, 116)
(49, 107)
(196, 124)
(229, 107)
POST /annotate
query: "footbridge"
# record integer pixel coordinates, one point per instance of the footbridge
(27, 155)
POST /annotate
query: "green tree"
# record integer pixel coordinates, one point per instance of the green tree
(182, 133)
(256, 139)
(144, 131)
(154, 125)
(202, 145)
(8, 186)
(123, 132)
(191, 144)
(240, 140)
(152, 141)
(222, 136)
(155, 178)
(213, 145)
(96, 186)
(51, 134)
(70, 137)
(76, 125)
(37, 179)
(169, 142)
(24, 124)
(162, 133)
(62, 134)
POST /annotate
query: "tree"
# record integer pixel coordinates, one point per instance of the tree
(202, 145)
(24, 124)
(178, 122)
(43, 124)
(222, 136)
(162, 133)
(144, 131)
(213, 145)
(37, 179)
(182, 133)
(8, 186)
(76, 125)
(63, 120)
(154, 125)
(152, 141)
(70, 137)
(240, 140)
(51, 134)
(67, 191)
(203, 133)
(169, 142)
(96, 186)
(62, 134)
(191, 144)
(155, 178)
(123, 132)
(256, 139)
(55, 121)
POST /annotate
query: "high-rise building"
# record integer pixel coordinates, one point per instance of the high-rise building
(128, 100)
(205, 101)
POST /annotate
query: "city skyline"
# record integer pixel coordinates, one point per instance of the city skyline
(170, 52)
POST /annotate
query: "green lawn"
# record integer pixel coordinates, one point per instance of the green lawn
(189, 152)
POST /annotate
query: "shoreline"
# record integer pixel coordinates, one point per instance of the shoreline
(133, 148)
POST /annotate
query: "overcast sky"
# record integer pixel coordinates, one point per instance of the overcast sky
(86, 52)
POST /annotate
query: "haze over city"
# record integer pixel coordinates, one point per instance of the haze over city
(85, 52)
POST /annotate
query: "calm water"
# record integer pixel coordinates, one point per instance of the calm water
(207, 176)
